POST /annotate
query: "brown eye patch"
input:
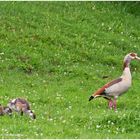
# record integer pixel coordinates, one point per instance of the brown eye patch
(133, 54)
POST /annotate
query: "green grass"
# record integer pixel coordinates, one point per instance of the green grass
(55, 54)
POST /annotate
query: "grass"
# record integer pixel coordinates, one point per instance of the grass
(55, 54)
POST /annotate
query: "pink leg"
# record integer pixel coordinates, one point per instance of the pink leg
(115, 105)
(110, 104)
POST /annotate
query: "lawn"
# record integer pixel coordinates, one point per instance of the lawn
(55, 55)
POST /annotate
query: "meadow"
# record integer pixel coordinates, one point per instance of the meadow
(55, 55)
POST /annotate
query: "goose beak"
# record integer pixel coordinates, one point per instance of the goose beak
(138, 58)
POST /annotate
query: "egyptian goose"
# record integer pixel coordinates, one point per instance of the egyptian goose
(117, 87)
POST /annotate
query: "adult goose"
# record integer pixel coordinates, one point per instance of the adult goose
(112, 90)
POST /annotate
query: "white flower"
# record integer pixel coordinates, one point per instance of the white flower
(98, 126)
(2, 53)
(64, 121)
(109, 122)
(103, 24)
(109, 28)
(123, 129)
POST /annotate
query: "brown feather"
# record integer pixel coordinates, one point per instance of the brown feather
(101, 90)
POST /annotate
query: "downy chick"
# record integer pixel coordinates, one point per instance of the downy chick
(21, 106)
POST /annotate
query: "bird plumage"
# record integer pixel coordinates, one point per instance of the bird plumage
(118, 86)
(22, 106)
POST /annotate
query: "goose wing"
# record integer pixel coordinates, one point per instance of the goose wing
(102, 91)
